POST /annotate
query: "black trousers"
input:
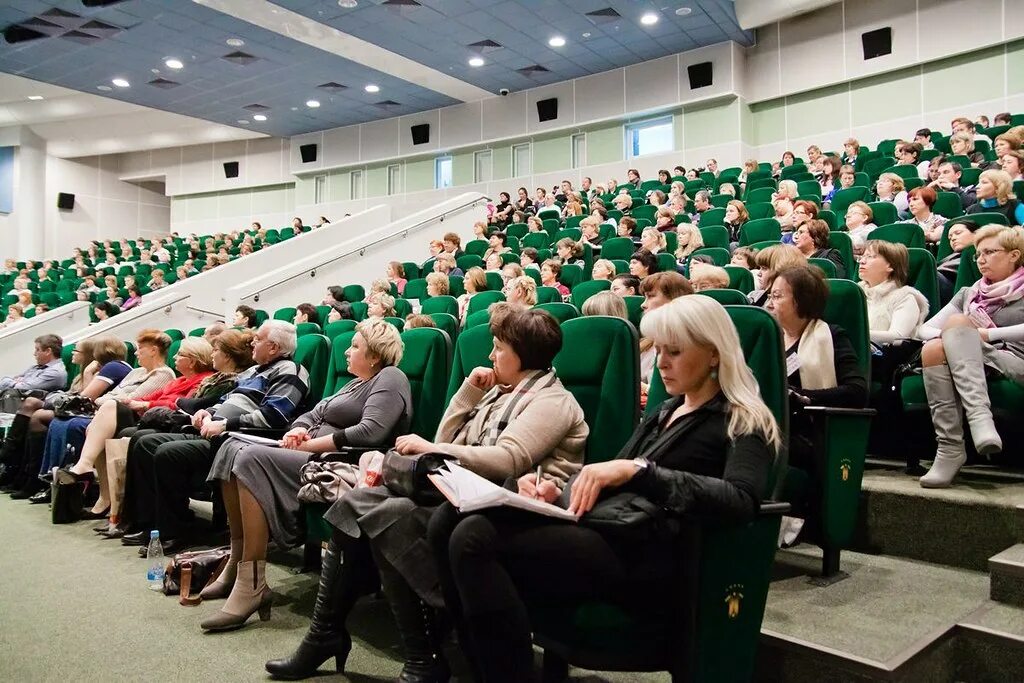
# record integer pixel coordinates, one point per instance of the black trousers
(162, 470)
(490, 564)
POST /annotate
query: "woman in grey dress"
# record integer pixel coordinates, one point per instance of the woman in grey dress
(260, 484)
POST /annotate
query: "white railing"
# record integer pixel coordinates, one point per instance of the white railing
(16, 342)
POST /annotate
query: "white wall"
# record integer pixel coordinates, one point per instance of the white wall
(16, 341)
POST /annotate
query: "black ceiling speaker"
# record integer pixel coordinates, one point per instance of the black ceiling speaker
(420, 133)
(308, 153)
(701, 75)
(877, 43)
(547, 110)
(65, 201)
(230, 169)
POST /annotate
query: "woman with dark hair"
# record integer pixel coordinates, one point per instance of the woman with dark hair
(502, 422)
(643, 263)
(245, 316)
(306, 313)
(105, 310)
(812, 239)
(523, 201)
(502, 212)
(960, 235)
(707, 452)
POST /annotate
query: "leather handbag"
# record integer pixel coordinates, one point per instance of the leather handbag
(628, 516)
(188, 573)
(323, 481)
(67, 406)
(406, 475)
(67, 497)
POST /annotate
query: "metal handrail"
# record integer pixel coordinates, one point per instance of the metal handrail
(404, 232)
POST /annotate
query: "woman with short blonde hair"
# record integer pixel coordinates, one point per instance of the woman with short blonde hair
(606, 303)
(522, 290)
(995, 194)
(437, 284)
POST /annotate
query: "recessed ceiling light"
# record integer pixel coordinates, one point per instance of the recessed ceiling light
(476, 61)
(683, 11)
(556, 41)
(235, 42)
(586, 35)
(649, 19)
(259, 117)
(104, 88)
(35, 97)
(372, 88)
(174, 63)
(312, 104)
(347, 4)
(120, 83)
(244, 122)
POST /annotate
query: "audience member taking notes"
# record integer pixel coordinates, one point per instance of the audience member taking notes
(469, 492)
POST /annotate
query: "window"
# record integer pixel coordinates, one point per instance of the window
(442, 172)
(650, 137)
(482, 166)
(394, 179)
(579, 150)
(320, 189)
(521, 160)
(356, 185)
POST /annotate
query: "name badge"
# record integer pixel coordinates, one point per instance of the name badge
(792, 364)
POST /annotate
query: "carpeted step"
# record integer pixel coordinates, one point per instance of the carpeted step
(1007, 576)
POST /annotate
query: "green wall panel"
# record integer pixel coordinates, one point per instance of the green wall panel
(746, 123)
(769, 121)
(819, 111)
(1015, 68)
(886, 97)
(377, 181)
(339, 186)
(964, 79)
(462, 168)
(606, 144)
(419, 175)
(710, 124)
(552, 154)
(501, 158)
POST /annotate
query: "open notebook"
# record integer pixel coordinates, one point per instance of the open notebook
(469, 492)
(253, 439)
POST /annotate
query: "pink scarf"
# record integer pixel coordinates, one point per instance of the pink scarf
(986, 297)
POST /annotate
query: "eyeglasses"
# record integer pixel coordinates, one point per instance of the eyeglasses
(986, 254)
(775, 296)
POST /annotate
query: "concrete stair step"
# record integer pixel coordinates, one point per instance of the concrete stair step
(1007, 576)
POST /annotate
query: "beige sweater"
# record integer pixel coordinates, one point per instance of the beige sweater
(549, 432)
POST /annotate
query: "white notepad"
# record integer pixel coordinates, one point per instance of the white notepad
(470, 492)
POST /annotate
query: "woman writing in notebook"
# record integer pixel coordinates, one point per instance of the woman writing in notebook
(708, 451)
(503, 422)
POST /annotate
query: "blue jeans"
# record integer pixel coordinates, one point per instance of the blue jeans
(61, 433)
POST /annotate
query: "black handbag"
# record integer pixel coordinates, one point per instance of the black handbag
(67, 497)
(67, 406)
(164, 420)
(406, 475)
(627, 516)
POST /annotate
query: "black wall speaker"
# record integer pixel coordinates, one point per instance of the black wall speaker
(877, 43)
(420, 133)
(230, 169)
(701, 75)
(308, 153)
(547, 110)
(65, 201)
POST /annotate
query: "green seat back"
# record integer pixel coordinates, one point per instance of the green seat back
(884, 213)
(197, 332)
(740, 279)
(947, 205)
(719, 201)
(908, 234)
(175, 335)
(359, 310)
(830, 218)
(416, 289)
(923, 278)
(494, 281)
(760, 194)
(302, 329)
(403, 309)
(440, 304)
(71, 368)
(714, 236)
(760, 230)
(467, 261)
(826, 266)
(842, 199)
(575, 233)
(904, 171)
(456, 285)
(482, 317)
(537, 240)
(353, 293)
(447, 323)
(261, 317)
(472, 350)
(560, 311)
(338, 327)
(647, 211)
(666, 261)
(313, 353)
(712, 217)
(618, 248)
(761, 210)
(571, 275)
(477, 247)
(726, 297)
(481, 301)
(426, 362)
(412, 270)
(584, 290)
(338, 374)
(809, 187)
(841, 242)
(172, 350)
(287, 314)
(548, 295)
(719, 255)
(847, 307)
(633, 309)
(967, 273)
(599, 364)
(517, 230)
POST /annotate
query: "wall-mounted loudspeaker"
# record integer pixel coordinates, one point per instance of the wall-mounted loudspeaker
(700, 75)
(308, 153)
(230, 169)
(420, 134)
(547, 110)
(877, 43)
(65, 201)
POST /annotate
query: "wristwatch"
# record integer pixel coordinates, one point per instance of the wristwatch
(641, 463)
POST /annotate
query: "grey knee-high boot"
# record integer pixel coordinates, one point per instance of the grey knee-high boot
(963, 353)
(949, 431)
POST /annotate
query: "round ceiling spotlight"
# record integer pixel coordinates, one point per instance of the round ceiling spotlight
(312, 104)
(556, 41)
(684, 11)
(347, 4)
(104, 88)
(173, 63)
(235, 42)
(259, 117)
(649, 19)
(476, 61)
(121, 83)
(244, 122)
(372, 88)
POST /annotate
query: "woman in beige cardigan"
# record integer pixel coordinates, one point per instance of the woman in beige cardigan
(502, 423)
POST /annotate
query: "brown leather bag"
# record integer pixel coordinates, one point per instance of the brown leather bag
(187, 574)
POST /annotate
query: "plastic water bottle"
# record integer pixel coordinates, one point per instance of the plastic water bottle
(155, 562)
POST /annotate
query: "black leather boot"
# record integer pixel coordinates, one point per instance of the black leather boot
(418, 627)
(28, 479)
(13, 451)
(346, 575)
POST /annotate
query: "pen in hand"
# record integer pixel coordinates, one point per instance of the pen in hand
(536, 484)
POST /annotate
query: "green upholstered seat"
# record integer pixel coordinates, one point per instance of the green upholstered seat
(338, 374)
(726, 297)
(302, 329)
(907, 234)
(618, 248)
(718, 255)
(472, 350)
(426, 362)
(286, 314)
(560, 311)
(584, 290)
(481, 301)
(440, 304)
(715, 236)
(353, 293)
(332, 330)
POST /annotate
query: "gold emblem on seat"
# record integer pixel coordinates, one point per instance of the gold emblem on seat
(844, 468)
(733, 598)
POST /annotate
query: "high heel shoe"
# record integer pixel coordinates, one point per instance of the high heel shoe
(87, 513)
(250, 594)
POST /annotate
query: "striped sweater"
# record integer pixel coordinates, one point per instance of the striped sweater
(267, 396)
